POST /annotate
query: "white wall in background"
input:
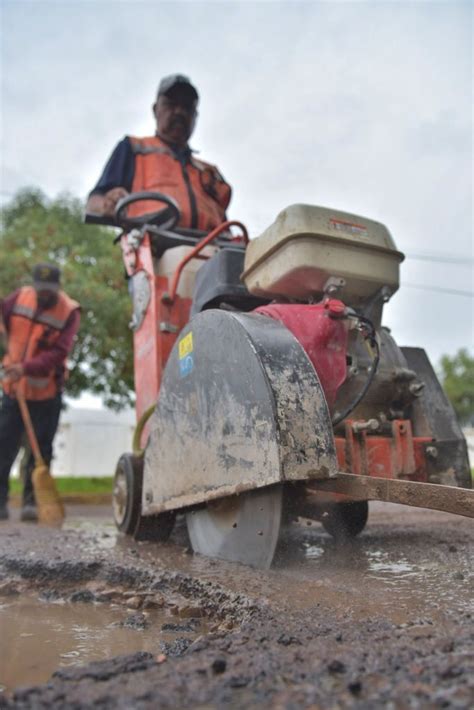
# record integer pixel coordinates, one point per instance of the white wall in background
(89, 442)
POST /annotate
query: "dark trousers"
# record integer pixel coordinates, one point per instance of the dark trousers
(45, 418)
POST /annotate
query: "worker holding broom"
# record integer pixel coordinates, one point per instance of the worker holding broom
(38, 324)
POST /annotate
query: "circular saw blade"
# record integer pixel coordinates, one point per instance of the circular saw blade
(243, 528)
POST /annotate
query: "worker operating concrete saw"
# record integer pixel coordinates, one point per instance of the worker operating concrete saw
(165, 163)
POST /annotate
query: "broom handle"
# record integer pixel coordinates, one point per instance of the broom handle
(30, 432)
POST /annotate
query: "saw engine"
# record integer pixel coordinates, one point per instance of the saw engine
(274, 390)
(380, 395)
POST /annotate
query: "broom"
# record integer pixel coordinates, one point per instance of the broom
(48, 501)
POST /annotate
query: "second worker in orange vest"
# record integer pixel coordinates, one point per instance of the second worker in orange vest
(165, 163)
(38, 325)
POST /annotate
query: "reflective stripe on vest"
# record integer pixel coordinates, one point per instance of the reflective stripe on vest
(20, 310)
(50, 320)
(140, 149)
(38, 382)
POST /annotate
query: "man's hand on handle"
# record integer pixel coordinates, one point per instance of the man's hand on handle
(104, 205)
(13, 372)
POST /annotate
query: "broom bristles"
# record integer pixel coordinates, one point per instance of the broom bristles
(48, 501)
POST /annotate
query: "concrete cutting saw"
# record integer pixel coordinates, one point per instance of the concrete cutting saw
(267, 388)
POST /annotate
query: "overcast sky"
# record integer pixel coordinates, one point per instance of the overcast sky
(360, 106)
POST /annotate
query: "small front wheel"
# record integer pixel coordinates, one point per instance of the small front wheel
(127, 493)
(345, 520)
(127, 503)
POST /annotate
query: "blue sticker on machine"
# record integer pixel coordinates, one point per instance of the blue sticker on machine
(186, 365)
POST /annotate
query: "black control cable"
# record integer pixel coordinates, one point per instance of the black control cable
(371, 337)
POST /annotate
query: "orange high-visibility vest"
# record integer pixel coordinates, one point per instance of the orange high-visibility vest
(30, 332)
(198, 187)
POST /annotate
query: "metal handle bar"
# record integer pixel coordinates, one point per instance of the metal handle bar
(169, 297)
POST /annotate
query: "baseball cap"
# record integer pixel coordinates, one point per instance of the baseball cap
(46, 277)
(168, 83)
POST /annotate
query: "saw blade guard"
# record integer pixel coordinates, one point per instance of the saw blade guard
(240, 407)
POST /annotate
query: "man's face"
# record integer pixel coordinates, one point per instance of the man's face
(46, 298)
(175, 117)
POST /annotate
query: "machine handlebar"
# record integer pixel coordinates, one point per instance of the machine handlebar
(196, 253)
(167, 217)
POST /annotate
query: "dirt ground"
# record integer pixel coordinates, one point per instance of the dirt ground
(88, 618)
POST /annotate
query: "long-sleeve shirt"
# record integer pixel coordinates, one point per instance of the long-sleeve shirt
(53, 358)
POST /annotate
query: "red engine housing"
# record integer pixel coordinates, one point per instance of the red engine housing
(323, 333)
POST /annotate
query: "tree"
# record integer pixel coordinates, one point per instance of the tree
(457, 378)
(35, 229)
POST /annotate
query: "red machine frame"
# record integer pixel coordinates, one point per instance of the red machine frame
(166, 309)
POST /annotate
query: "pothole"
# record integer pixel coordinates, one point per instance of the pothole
(39, 636)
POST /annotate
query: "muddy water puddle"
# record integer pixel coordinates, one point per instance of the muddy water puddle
(365, 575)
(395, 570)
(378, 574)
(38, 637)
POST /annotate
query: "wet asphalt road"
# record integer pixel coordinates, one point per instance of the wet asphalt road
(385, 621)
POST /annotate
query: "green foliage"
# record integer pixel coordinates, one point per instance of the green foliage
(35, 229)
(457, 378)
(69, 485)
